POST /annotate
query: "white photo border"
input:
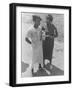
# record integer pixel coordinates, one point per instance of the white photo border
(27, 80)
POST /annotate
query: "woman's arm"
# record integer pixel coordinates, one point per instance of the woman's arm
(55, 32)
(27, 40)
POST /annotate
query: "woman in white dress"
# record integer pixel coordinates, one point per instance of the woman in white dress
(35, 34)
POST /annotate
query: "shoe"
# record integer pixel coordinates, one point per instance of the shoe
(40, 66)
(51, 67)
(32, 71)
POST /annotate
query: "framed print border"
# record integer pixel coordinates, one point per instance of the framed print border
(12, 41)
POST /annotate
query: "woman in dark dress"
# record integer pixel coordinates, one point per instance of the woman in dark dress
(48, 43)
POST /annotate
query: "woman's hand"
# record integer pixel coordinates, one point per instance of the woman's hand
(27, 40)
(43, 35)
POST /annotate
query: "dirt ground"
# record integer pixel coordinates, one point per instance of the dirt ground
(57, 61)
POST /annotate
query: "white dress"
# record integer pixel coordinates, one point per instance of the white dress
(37, 51)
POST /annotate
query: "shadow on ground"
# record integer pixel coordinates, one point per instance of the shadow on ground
(54, 72)
(24, 67)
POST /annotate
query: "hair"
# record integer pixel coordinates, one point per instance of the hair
(35, 17)
(50, 17)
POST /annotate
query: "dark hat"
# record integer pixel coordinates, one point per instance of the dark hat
(36, 17)
(50, 17)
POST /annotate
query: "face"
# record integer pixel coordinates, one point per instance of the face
(37, 22)
(47, 20)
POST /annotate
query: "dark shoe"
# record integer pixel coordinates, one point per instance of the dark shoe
(32, 71)
(40, 66)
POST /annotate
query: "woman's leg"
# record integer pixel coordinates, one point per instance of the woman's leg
(51, 66)
(44, 52)
(32, 68)
(40, 66)
(51, 53)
